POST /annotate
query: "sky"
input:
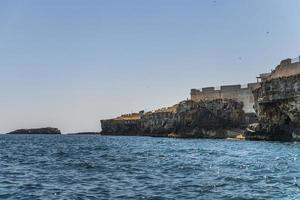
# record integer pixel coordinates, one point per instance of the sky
(70, 63)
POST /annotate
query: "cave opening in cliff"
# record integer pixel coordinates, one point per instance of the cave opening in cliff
(287, 120)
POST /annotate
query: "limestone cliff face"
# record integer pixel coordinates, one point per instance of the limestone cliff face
(158, 123)
(205, 119)
(121, 127)
(277, 104)
(211, 119)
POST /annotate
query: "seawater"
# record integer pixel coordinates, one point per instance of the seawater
(105, 167)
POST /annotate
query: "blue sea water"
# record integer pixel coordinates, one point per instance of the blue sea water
(104, 167)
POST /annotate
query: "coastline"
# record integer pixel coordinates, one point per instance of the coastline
(211, 113)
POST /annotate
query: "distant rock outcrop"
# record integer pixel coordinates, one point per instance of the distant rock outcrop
(85, 133)
(277, 104)
(220, 118)
(47, 130)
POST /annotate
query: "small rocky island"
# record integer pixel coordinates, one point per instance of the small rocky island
(47, 130)
(266, 110)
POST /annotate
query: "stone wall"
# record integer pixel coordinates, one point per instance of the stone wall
(285, 69)
(235, 92)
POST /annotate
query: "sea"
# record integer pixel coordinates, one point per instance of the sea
(120, 167)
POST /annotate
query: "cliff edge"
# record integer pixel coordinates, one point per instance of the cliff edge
(277, 104)
(220, 118)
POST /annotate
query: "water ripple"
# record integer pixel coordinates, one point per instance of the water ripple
(103, 167)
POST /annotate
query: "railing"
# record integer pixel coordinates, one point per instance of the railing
(295, 60)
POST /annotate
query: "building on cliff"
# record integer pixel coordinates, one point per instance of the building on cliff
(287, 67)
(235, 92)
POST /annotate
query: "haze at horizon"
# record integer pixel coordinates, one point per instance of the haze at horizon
(68, 64)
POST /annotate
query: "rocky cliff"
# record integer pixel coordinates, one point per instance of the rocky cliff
(209, 119)
(277, 104)
(205, 119)
(47, 130)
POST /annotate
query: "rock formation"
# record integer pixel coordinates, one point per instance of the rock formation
(218, 118)
(277, 104)
(160, 122)
(85, 133)
(209, 119)
(124, 125)
(47, 130)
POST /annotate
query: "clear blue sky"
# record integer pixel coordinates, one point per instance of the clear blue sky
(70, 63)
